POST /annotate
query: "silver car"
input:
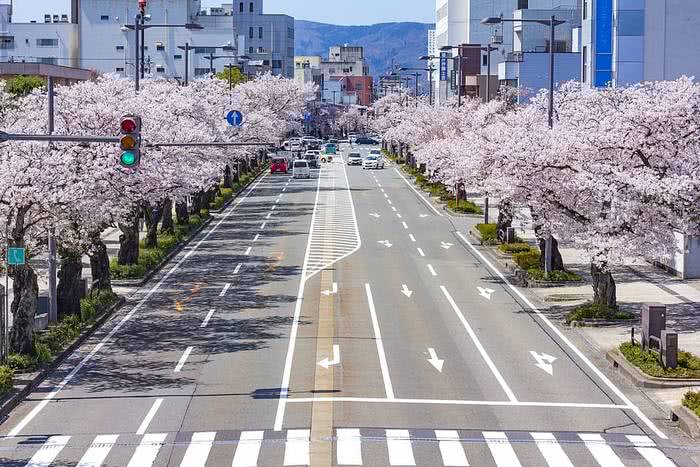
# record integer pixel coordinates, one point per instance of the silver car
(354, 158)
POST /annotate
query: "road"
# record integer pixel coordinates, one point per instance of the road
(340, 320)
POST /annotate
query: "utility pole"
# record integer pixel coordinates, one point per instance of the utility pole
(137, 74)
(53, 302)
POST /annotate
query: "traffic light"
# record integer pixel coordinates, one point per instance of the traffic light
(130, 141)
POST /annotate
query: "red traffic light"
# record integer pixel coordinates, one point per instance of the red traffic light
(128, 125)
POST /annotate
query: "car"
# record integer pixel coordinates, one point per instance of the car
(373, 162)
(330, 148)
(366, 140)
(313, 157)
(300, 169)
(375, 152)
(295, 146)
(354, 158)
(279, 165)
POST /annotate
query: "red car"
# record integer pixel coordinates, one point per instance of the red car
(278, 165)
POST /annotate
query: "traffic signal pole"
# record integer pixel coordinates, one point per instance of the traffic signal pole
(53, 292)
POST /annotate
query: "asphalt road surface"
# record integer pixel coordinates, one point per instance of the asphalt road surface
(339, 320)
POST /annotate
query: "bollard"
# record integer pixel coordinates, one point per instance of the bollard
(653, 321)
(510, 235)
(669, 348)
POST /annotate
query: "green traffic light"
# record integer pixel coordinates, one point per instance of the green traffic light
(128, 159)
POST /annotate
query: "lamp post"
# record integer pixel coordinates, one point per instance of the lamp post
(416, 75)
(431, 72)
(140, 26)
(552, 22)
(458, 60)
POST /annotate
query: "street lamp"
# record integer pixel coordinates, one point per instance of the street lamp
(187, 47)
(416, 77)
(458, 60)
(552, 22)
(430, 70)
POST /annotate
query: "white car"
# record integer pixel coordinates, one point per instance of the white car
(300, 169)
(373, 161)
(354, 158)
(375, 152)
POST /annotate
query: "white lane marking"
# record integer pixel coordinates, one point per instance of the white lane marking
(248, 449)
(486, 293)
(380, 400)
(238, 268)
(416, 191)
(375, 215)
(146, 453)
(600, 450)
(273, 207)
(349, 446)
(405, 225)
(626, 401)
(446, 245)
(67, 379)
(96, 454)
(149, 416)
(398, 442)
(286, 374)
(379, 184)
(382, 190)
(399, 215)
(269, 214)
(451, 449)
(544, 362)
(432, 270)
(386, 243)
(224, 290)
(393, 208)
(406, 291)
(413, 239)
(389, 201)
(385, 195)
(262, 227)
(501, 450)
(296, 450)
(277, 201)
(284, 189)
(48, 451)
(257, 237)
(478, 345)
(207, 318)
(198, 451)
(647, 448)
(420, 251)
(248, 250)
(183, 359)
(333, 290)
(551, 450)
(380, 345)
(325, 363)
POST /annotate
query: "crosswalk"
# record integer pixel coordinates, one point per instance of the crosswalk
(352, 447)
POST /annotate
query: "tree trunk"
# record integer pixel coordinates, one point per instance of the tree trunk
(604, 290)
(23, 308)
(99, 264)
(152, 216)
(129, 242)
(182, 214)
(228, 182)
(68, 291)
(505, 215)
(237, 172)
(196, 203)
(167, 226)
(557, 261)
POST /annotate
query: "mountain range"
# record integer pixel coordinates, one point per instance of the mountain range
(385, 44)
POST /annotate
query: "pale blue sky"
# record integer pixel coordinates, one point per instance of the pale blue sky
(325, 11)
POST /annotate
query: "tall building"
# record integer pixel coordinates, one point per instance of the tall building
(97, 37)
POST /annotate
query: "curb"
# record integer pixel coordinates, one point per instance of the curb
(184, 243)
(639, 379)
(600, 323)
(17, 396)
(687, 421)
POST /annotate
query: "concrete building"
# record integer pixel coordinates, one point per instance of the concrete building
(307, 69)
(95, 37)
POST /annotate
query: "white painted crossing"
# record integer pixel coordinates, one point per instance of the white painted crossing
(356, 446)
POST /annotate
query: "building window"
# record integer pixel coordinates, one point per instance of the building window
(47, 42)
(522, 4)
(177, 57)
(484, 60)
(277, 64)
(7, 42)
(251, 32)
(201, 71)
(358, 87)
(160, 47)
(104, 18)
(260, 33)
(261, 50)
(160, 69)
(585, 9)
(290, 33)
(251, 7)
(119, 69)
(241, 7)
(120, 47)
(48, 60)
(251, 50)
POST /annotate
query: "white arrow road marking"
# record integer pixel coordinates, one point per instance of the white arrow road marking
(325, 363)
(446, 245)
(406, 291)
(434, 360)
(486, 293)
(374, 214)
(544, 361)
(386, 243)
(329, 292)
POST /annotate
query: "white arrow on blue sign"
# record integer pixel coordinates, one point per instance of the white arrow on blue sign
(234, 118)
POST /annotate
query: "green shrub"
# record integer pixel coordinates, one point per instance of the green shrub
(595, 311)
(648, 362)
(537, 274)
(19, 362)
(226, 193)
(195, 220)
(42, 352)
(149, 258)
(528, 259)
(464, 206)
(126, 271)
(96, 303)
(512, 248)
(692, 401)
(204, 213)
(88, 309)
(445, 197)
(487, 231)
(218, 202)
(6, 376)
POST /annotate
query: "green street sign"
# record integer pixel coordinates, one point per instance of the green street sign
(16, 256)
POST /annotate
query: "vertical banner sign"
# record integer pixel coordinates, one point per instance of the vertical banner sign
(453, 79)
(443, 65)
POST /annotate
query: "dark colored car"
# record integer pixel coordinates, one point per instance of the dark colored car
(279, 165)
(365, 140)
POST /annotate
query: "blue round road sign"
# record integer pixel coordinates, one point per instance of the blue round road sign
(234, 118)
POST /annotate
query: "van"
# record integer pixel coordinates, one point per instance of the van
(300, 169)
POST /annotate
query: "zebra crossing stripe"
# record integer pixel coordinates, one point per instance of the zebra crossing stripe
(147, 451)
(451, 449)
(647, 448)
(501, 450)
(296, 450)
(96, 454)
(599, 449)
(248, 449)
(399, 445)
(48, 452)
(198, 451)
(551, 450)
(349, 446)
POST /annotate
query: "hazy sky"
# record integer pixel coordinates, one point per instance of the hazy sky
(326, 11)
